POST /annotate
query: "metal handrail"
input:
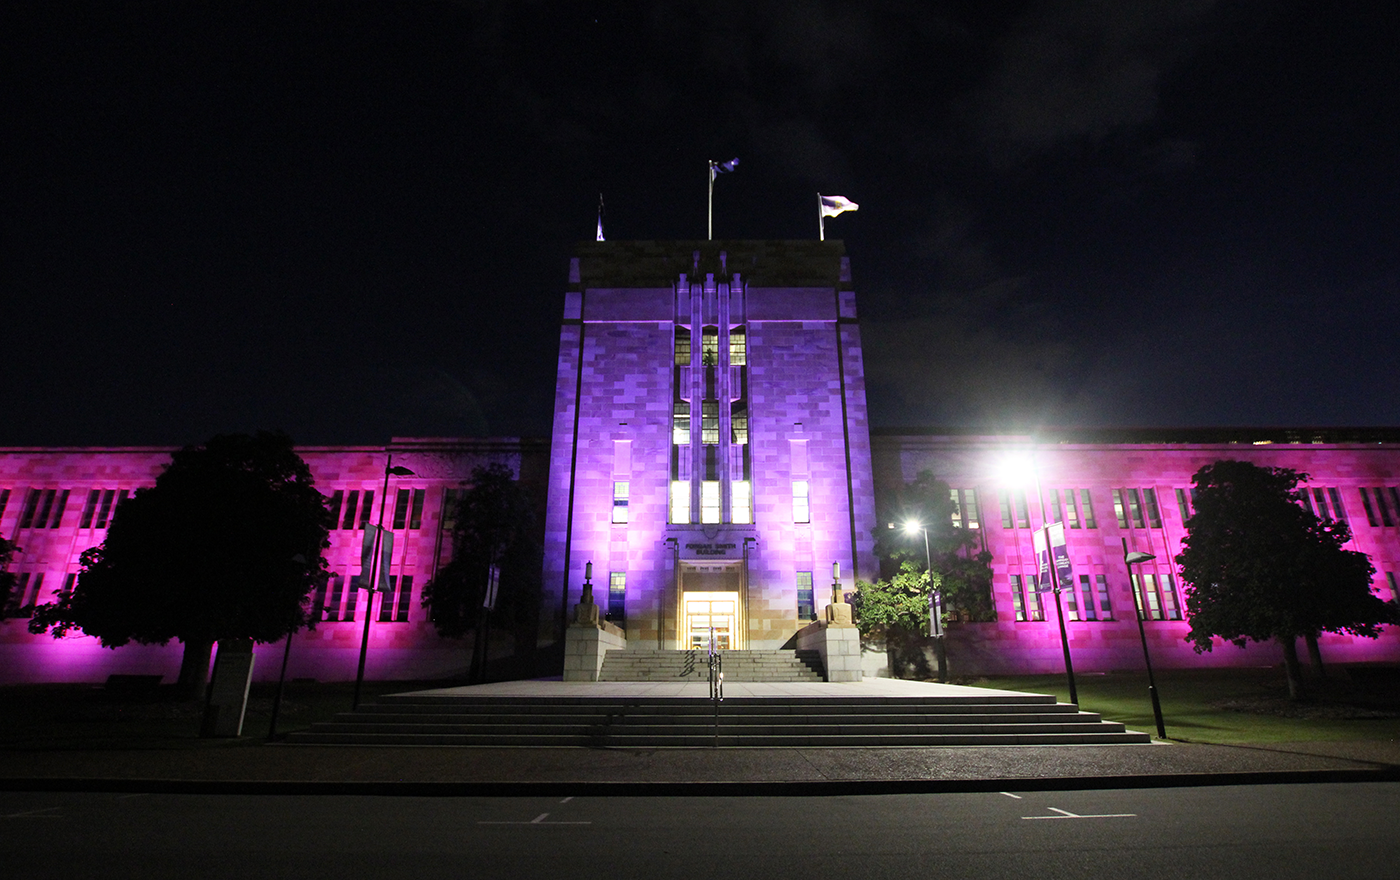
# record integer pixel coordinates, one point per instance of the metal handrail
(716, 666)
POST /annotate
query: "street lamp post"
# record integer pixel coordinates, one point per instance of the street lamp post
(1130, 559)
(1054, 583)
(935, 606)
(368, 578)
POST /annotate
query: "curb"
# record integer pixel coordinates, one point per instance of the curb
(823, 788)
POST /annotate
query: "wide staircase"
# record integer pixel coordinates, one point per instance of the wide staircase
(652, 664)
(996, 719)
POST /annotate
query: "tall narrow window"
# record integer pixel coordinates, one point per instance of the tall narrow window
(4, 500)
(1370, 511)
(801, 502)
(1071, 602)
(1169, 598)
(741, 502)
(1105, 606)
(366, 508)
(352, 502)
(1006, 515)
(1120, 510)
(738, 348)
(617, 595)
(415, 512)
(682, 346)
(1035, 609)
(332, 504)
(739, 423)
(621, 491)
(680, 423)
(1086, 509)
(1018, 597)
(1149, 504)
(337, 585)
(401, 509)
(1183, 506)
(90, 509)
(709, 346)
(806, 601)
(709, 501)
(1086, 594)
(1023, 520)
(1339, 512)
(680, 501)
(1394, 588)
(352, 597)
(394, 607)
(709, 422)
(964, 508)
(1071, 510)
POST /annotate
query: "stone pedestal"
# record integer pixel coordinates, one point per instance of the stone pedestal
(228, 693)
(585, 644)
(837, 643)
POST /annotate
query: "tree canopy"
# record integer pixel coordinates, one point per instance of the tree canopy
(7, 578)
(1258, 566)
(494, 525)
(961, 568)
(226, 545)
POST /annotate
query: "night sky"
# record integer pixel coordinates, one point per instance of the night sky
(352, 221)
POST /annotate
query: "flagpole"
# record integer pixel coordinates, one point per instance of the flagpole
(710, 206)
(821, 220)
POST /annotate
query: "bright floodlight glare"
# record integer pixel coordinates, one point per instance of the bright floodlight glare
(1016, 469)
(912, 527)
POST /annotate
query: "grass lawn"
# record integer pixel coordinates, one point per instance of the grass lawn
(85, 716)
(1233, 705)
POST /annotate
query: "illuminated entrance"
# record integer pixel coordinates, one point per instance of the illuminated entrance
(711, 598)
(705, 612)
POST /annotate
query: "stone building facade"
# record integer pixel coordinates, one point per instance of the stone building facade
(711, 459)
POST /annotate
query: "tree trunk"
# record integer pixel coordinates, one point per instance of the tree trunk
(1315, 656)
(194, 668)
(1292, 667)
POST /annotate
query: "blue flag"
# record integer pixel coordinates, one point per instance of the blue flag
(723, 167)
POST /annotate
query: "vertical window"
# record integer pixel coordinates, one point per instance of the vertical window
(709, 422)
(1339, 513)
(365, 509)
(1119, 509)
(405, 586)
(1023, 520)
(682, 346)
(1034, 606)
(401, 509)
(318, 603)
(1057, 513)
(1370, 511)
(4, 500)
(1071, 603)
(1393, 492)
(741, 502)
(680, 423)
(1086, 509)
(1071, 511)
(801, 502)
(709, 346)
(964, 508)
(617, 595)
(1169, 598)
(1149, 504)
(352, 502)
(63, 503)
(806, 601)
(1086, 593)
(43, 509)
(1183, 506)
(90, 509)
(31, 502)
(739, 423)
(709, 501)
(1394, 588)
(415, 513)
(1018, 597)
(680, 501)
(352, 597)
(738, 348)
(337, 587)
(621, 491)
(1105, 606)
(1004, 498)
(450, 499)
(332, 504)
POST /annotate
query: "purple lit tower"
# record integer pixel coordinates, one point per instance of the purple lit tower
(710, 452)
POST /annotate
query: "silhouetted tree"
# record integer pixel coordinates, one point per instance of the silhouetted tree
(494, 525)
(1258, 566)
(961, 568)
(226, 545)
(7, 578)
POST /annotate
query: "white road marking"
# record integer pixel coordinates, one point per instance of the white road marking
(1066, 814)
(33, 814)
(1010, 795)
(538, 820)
(567, 799)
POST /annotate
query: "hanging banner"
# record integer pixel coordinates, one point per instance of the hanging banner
(1057, 549)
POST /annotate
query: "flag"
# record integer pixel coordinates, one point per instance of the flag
(833, 205)
(600, 216)
(723, 167)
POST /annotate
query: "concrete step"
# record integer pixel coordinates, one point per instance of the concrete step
(994, 719)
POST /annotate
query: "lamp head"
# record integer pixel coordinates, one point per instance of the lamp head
(400, 471)
(1138, 556)
(912, 527)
